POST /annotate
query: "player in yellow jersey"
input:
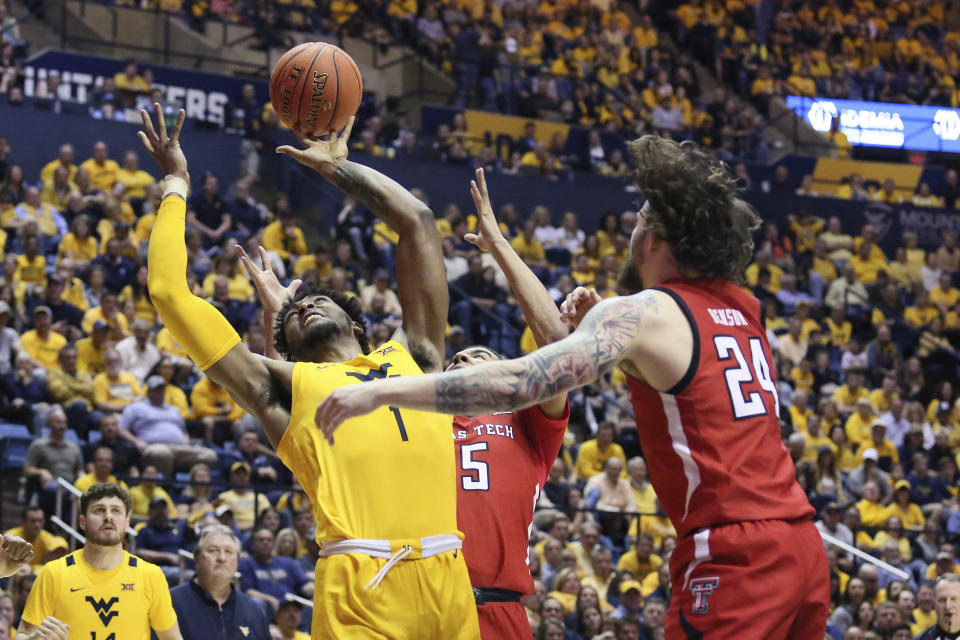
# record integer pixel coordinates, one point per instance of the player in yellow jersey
(384, 498)
(100, 592)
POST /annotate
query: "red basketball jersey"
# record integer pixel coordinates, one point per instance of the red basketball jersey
(503, 460)
(712, 443)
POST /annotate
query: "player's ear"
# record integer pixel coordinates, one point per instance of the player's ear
(358, 329)
(82, 522)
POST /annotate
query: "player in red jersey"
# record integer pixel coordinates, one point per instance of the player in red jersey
(504, 458)
(749, 563)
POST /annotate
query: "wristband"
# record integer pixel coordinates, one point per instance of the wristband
(175, 185)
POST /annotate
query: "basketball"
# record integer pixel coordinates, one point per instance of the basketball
(315, 88)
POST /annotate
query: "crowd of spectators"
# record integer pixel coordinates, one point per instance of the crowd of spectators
(861, 50)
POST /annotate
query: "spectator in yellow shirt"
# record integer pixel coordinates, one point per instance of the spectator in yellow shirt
(529, 249)
(129, 80)
(643, 493)
(46, 546)
(228, 266)
(135, 180)
(102, 470)
(882, 398)
(859, 423)
(872, 513)
(922, 312)
(64, 159)
(887, 455)
(31, 266)
(245, 504)
(56, 192)
(42, 343)
(284, 237)
(319, 260)
(594, 453)
(103, 171)
(866, 265)
(848, 396)
(213, 406)
(90, 349)
(909, 512)
(764, 261)
(114, 389)
(107, 312)
(147, 490)
(815, 438)
(78, 246)
(944, 295)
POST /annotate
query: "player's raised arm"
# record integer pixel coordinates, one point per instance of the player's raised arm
(204, 333)
(541, 313)
(15, 552)
(421, 278)
(645, 333)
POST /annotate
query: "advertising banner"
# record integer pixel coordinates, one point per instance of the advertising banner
(884, 124)
(204, 96)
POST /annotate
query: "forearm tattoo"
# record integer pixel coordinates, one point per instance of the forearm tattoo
(360, 183)
(601, 340)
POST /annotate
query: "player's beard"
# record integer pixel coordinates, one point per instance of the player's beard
(629, 277)
(105, 538)
(318, 334)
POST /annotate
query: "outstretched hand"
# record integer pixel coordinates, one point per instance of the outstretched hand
(273, 295)
(578, 303)
(317, 154)
(164, 149)
(488, 231)
(343, 404)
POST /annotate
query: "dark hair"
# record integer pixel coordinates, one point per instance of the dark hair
(694, 207)
(105, 490)
(623, 623)
(349, 304)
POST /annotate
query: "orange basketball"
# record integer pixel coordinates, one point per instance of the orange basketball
(315, 88)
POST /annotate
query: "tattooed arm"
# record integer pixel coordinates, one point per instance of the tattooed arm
(647, 334)
(421, 277)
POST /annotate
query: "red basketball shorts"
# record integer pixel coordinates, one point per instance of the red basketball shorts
(503, 621)
(763, 580)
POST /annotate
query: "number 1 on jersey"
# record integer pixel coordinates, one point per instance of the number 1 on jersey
(403, 429)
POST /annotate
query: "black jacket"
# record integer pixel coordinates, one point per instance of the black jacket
(201, 618)
(936, 633)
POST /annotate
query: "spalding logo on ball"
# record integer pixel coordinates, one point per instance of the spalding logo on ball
(315, 88)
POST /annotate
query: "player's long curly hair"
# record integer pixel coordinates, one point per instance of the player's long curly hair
(348, 303)
(695, 207)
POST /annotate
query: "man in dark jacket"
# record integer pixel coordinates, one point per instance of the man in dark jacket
(947, 604)
(209, 607)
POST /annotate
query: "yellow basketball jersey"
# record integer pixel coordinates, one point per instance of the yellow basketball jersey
(390, 474)
(121, 603)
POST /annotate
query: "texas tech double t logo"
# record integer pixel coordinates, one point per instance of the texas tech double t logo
(702, 588)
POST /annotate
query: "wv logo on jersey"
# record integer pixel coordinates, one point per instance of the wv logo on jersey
(103, 609)
(375, 374)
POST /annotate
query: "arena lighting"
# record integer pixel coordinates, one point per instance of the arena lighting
(884, 124)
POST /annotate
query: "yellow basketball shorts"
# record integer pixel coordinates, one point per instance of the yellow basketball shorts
(423, 599)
